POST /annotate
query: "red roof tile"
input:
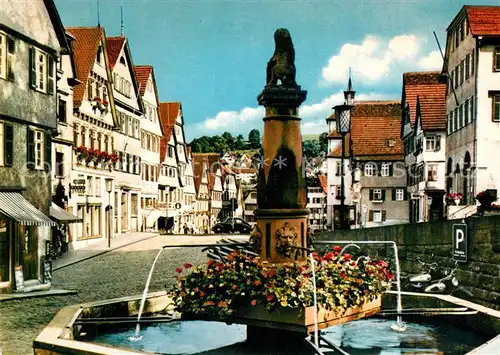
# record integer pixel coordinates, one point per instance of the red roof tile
(87, 40)
(324, 183)
(483, 20)
(433, 111)
(167, 121)
(374, 125)
(115, 45)
(422, 84)
(142, 73)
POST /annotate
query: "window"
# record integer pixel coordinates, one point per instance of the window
(59, 164)
(400, 195)
(432, 143)
(99, 55)
(339, 171)
(455, 119)
(461, 115)
(384, 170)
(136, 129)
(3, 55)
(462, 74)
(6, 144)
(432, 170)
(338, 191)
(89, 185)
(369, 169)
(462, 31)
(467, 66)
(98, 186)
(451, 84)
(377, 195)
(91, 139)
(472, 109)
(62, 111)
(170, 151)
(496, 60)
(41, 70)
(466, 112)
(457, 76)
(38, 149)
(377, 216)
(130, 126)
(7, 53)
(472, 63)
(496, 108)
(1, 142)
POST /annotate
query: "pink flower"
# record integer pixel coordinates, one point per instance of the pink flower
(253, 303)
(347, 256)
(336, 248)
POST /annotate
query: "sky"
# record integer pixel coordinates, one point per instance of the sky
(212, 55)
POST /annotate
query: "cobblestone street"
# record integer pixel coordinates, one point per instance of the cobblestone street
(122, 272)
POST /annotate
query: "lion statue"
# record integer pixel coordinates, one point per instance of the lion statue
(281, 66)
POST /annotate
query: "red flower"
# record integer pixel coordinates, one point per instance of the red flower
(188, 265)
(329, 256)
(342, 275)
(353, 264)
(336, 248)
(230, 257)
(315, 256)
(257, 283)
(178, 269)
(253, 303)
(235, 287)
(270, 298)
(347, 256)
(202, 294)
(210, 262)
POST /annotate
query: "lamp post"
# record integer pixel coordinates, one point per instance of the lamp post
(343, 121)
(109, 188)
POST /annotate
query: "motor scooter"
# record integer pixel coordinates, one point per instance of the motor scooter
(423, 279)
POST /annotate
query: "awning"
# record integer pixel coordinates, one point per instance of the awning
(61, 215)
(16, 207)
(153, 216)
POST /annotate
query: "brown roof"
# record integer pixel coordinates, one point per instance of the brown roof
(87, 40)
(167, 120)
(323, 182)
(484, 20)
(211, 181)
(373, 125)
(433, 111)
(115, 45)
(198, 160)
(422, 84)
(142, 73)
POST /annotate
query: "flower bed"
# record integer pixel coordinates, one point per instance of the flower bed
(224, 290)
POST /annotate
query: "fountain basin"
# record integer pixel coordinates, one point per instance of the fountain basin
(67, 333)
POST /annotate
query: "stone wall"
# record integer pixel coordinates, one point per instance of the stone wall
(432, 242)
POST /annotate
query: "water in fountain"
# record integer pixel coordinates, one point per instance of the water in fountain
(143, 300)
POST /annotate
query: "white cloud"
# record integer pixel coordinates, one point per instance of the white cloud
(432, 61)
(228, 119)
(313, 117)
(373, 59)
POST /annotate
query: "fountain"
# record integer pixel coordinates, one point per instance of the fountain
(114, 326)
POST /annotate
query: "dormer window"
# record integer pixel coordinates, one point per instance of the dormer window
(391, 143)
(99, 57)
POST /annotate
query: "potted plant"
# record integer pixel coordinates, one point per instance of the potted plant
(485, 198)
(243, 286)
(81, 153)
(113, 159)
(92, 155)
(454, 197)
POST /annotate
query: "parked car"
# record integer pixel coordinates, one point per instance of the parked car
(232, 225)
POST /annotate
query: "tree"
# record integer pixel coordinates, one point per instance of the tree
(239, 144)
(228, 137)
(323, 141)
(311, 149)
(254, 138)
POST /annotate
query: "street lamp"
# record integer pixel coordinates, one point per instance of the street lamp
(343, 121)
(109, 188)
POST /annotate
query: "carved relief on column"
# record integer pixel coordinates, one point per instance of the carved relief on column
(286, 239)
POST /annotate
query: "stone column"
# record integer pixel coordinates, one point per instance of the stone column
(281, 193)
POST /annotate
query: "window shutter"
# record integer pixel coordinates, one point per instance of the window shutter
(11, 51)
(405, 194)
(48, 150)
(383, 195)
(384, 215)
(371, 194)
(391, 169)
(8, 144)
(393, 194)
(472, 63)
(370, 216)
(32, 68)
(50, 75)
(139, 165)
(30, 152)
(438, 142)
(120, 161)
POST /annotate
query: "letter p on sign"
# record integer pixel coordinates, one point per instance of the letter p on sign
(460, 242)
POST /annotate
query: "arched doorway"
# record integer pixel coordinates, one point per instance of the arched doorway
(466, 179)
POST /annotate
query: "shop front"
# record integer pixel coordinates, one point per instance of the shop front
(24, 231)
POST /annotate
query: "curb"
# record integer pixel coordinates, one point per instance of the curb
(103, 252)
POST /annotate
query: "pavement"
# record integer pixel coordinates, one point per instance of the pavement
(98, 247)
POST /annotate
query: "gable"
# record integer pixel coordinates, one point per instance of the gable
(124, 80)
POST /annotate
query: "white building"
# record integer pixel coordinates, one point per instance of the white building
(424, 136)
(316, 204)
(151, 134)
(230, 193)
(472, 61)
(250, 206)
(189, 192)
(215, 188)
(169, 180)
(129, 111)
(202, 212)
(91, 130)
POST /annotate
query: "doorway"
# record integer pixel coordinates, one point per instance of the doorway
(28, 251)
(124, 215)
